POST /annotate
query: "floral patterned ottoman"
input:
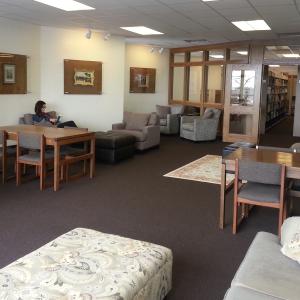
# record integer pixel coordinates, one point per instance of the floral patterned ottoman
(85, 264)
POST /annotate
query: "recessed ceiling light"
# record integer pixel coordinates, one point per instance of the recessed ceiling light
(291, 55)
(67, 5)
(209, 0)
(141, 30)
(242, 52)
(274, 66)
(252, 25)
(219, 56)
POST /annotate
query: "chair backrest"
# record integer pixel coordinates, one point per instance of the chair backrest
(278, 149)
(30, 141)
(259, 172)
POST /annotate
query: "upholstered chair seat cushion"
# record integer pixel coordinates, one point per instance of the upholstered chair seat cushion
(188, 126)
(163, 122)
(36, 156)
(260, 192)
(139, 135)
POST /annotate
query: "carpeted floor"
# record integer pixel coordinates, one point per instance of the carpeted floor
(133, 199)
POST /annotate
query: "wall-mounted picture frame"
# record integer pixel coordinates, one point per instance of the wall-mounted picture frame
(13, 73)
(82, 77)
(142, 80)
(9, 73)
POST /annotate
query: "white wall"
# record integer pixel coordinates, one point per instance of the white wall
(140, 56)
(97, 112)
(20, 38)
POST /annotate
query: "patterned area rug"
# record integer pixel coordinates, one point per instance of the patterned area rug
(205, 169)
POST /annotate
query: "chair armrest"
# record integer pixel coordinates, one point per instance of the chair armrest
(151, 130)
(118, 126)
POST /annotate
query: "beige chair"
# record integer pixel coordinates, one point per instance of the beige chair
(144, 127)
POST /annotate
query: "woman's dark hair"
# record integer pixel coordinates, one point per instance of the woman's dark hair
(38, 107)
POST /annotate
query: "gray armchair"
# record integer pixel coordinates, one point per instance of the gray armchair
(144, 127)
(202, 128)
(169, 118)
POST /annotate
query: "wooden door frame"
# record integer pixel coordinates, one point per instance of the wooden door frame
(253, 110)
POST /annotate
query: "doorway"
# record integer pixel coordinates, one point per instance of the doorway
(278, 102)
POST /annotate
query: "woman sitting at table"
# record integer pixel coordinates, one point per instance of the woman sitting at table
(41, 117)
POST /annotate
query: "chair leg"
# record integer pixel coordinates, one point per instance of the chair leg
(280, 220)
(18, 171)
(235, 216)
(42, 169)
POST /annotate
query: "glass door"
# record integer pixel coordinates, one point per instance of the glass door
(242, 103)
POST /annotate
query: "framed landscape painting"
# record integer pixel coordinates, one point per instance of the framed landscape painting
(82, 77)
(142, 80)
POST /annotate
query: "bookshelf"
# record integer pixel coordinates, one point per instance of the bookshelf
(277, 98)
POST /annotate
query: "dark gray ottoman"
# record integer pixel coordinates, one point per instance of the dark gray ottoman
(113, 146)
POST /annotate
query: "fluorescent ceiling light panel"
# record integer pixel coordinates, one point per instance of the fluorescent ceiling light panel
(67, 5)
(252, 25)
(209, 0)
(220, 56)
(274, 66)
(291, 55)
(141, 30)
(242, 52)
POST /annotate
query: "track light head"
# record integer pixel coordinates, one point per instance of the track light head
(106, 36)
(88, 34)
(161, 50)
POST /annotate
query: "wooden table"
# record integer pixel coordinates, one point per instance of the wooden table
(57, 137)
(290, 160)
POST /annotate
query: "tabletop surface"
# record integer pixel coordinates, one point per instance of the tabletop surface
(263, 155)
(49, 132)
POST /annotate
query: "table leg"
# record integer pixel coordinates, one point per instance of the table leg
(56, 166)
(92, 160)
(222, 196)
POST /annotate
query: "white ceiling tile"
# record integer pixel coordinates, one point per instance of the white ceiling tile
(178, 19)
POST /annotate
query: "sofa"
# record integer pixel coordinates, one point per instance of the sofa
(265, 272)
(201, 128)
(27, 119)
(143, 126)
(169, 118)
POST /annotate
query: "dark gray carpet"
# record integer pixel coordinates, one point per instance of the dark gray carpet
(133, 199)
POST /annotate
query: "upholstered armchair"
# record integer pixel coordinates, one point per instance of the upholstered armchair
(144, 127)
(169, 118)
(27, 119)
(203, 128)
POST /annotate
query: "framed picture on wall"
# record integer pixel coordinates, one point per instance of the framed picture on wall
(13, 73)
(142, 80)
(9, 73)
(82, 77)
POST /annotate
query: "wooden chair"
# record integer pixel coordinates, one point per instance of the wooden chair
(36, 155)
(265, 186)
(5, 153)
(72, 155)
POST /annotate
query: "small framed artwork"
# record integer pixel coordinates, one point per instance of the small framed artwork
(82, 77)
(9, 73)
(142, 80)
